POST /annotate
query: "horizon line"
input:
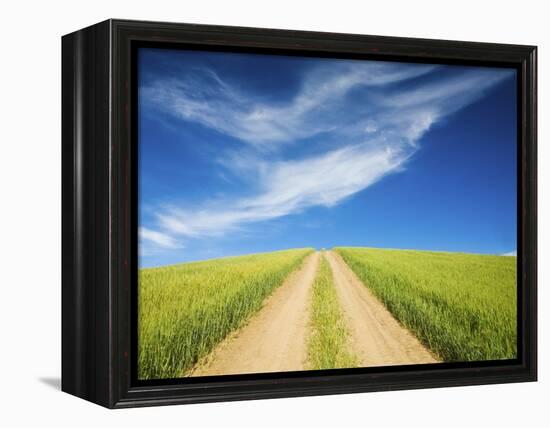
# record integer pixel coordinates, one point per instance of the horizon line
(506, 254)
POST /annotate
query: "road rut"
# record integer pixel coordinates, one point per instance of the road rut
(275, 339)
(377, 338)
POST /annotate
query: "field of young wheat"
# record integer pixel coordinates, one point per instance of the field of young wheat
(186, 309)
(461, 306)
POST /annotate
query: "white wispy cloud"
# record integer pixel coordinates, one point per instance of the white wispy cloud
(391, 112)
(289, 187)
(510, 254)
(159, 239)
(205, 98)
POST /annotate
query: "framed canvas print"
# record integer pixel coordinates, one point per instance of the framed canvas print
(253, 213)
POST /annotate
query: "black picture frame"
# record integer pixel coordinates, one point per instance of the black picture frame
(99, 229)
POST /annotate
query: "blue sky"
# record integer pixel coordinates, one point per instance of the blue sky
(244, 153)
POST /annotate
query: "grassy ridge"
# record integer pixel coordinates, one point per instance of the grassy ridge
(186, 309)
(327, 345)
(462, 306)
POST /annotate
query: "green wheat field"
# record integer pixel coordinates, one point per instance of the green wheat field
(186, 309)
(462, 307)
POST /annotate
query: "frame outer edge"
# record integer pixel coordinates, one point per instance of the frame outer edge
(532, 209)
(70, 380)
(85, 220)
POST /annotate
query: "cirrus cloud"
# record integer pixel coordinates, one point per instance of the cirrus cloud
(389, 107)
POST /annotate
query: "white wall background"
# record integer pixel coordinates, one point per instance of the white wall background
(30, 211)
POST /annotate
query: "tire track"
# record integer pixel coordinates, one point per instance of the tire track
(275, 339)
(377, 337)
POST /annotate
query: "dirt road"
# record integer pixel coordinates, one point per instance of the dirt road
(275, 339)
(377, 338)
